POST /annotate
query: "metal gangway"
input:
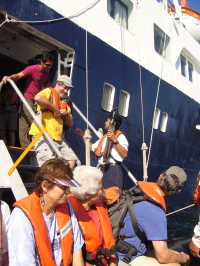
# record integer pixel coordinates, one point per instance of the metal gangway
(10, 177)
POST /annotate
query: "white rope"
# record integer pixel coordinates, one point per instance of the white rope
(180, 209)
(158, 90)
(86, 64)
(141, 89)
(50, 20)
(144, 146)
(87, 135)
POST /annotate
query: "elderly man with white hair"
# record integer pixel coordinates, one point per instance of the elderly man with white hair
(99, 248)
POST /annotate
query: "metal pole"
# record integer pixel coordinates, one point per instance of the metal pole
(36, 119)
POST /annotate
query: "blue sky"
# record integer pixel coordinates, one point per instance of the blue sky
(193, 4)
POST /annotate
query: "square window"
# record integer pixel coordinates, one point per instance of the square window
(124, 99)
(161, 42)
(156, 118)
(190, 71)
(107, 97)
(119, 11)
(183, 65)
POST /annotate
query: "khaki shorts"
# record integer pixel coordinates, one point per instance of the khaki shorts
(44, 152)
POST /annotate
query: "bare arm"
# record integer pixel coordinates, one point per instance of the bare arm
(121, 150)
(79, 132)
(195, 251)
(67, 118)
(77, 259)
(14, 77)
(165, 255)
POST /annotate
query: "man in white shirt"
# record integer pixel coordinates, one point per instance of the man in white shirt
(110, 164)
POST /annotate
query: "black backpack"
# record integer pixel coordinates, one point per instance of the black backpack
(118, 202)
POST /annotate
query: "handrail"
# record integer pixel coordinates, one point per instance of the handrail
(99, 136)
(46, 135)
(38, 123)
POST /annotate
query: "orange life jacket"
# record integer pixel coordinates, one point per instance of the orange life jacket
(55, 99)
(153, 192)
(99, 151)
(9, 97)
(90, 233)
(31, 207)
(196, 195)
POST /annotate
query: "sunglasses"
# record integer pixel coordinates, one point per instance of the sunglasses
(48, 65)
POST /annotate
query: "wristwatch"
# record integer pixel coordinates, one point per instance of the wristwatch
(116, 142)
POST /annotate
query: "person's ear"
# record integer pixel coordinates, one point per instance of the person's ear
(44, 186)
(87, 196)
(160, 176)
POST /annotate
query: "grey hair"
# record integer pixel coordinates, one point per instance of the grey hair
(89, 177)
(169, 184)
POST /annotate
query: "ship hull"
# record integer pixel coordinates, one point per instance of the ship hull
(179, 145)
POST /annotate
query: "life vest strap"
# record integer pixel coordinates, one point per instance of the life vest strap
(101, 252)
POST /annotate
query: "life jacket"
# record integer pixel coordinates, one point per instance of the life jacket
(196, 195)
(55, 99)
(90, 233)
(9, 97)
(99, 151)
(31, 207)
(152, 192)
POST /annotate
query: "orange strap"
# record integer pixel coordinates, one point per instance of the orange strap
(196, 195)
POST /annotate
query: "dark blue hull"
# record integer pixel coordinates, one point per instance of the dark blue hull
(179, 145)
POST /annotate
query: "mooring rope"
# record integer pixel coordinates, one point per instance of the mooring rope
(180, 209)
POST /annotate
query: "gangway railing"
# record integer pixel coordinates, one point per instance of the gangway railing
(42, 129)
(99, 136)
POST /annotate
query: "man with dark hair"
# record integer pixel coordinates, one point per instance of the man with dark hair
(151, 223)
(55, 113)
(110, 166)
(37, 77)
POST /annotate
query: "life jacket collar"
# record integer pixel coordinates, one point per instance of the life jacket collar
(153, 192)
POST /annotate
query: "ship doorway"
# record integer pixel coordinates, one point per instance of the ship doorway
(21, 45)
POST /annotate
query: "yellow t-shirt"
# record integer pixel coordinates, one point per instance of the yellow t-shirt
(54, 126)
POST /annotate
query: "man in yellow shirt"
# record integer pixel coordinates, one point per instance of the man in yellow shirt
(55, 113)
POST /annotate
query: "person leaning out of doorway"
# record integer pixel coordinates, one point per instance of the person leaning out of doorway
(37, 77)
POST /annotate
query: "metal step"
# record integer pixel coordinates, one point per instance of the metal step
(27, 168)
(17, 150)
